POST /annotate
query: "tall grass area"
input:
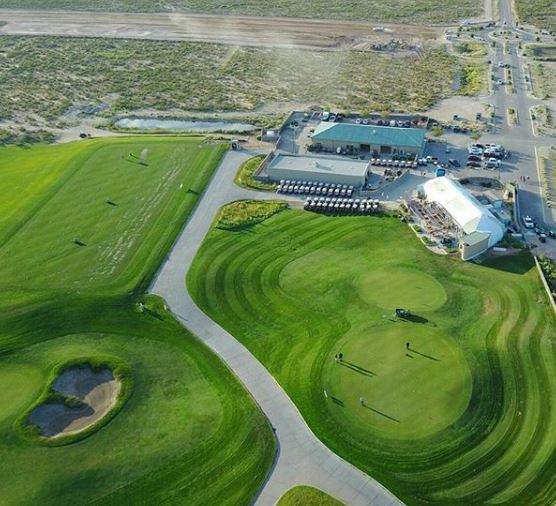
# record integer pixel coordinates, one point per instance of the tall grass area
(45, 77)
(83, 228)
(385, 10)
(246, 213)
(244, 176)
(544, 80)
(452, 405)
(474, 79)
(541, 13)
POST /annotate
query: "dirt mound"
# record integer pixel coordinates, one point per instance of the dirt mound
(89, 395)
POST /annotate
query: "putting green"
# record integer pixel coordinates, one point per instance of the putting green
(407, 394)
(391, 288)
(300, 287)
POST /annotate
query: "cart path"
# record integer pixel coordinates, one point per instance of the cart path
(301, 458)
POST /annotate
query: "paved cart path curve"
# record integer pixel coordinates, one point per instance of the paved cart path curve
(302, 459)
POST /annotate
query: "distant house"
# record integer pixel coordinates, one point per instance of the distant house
(370, 138)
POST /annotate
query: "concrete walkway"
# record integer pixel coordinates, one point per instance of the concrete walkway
(301, 459)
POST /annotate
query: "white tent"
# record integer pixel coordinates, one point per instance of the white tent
(469, 214)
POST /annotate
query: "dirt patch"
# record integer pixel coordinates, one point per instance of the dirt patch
(222, 29)
(86, 396)
(465, 107)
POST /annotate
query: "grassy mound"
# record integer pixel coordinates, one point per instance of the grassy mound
(244, 176)
(466, 416)
(188, 433)
(307, 496)
(245, 213)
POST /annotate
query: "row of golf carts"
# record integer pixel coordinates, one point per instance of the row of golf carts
(341, 206)
(314, 188)
(401, 164)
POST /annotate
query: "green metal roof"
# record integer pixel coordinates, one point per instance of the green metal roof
(369, 134)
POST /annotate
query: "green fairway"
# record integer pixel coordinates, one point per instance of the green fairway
(464, 416)
(189, 433)
(307, 496)
(105, 218)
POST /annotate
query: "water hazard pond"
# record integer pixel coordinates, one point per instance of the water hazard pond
(183, 125)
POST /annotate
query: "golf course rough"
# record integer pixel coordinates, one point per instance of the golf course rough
(188, 433)
(453, 405)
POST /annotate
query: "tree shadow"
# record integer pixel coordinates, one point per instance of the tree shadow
(356, 368)
(381, 413)
(518, 264)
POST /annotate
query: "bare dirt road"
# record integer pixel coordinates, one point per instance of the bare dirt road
(235, 30)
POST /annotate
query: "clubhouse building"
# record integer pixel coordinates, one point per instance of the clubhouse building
(369, 139)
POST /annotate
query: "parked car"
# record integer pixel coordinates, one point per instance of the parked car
(473, 163)
(542, 237)
(366, 121)
(474, 158)
(552, 233)
(453, 162)
(499, 82)
(325, 116)
(493, 163)
(528, 222)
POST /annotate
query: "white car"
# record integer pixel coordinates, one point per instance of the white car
(492, 163)
(500, 82)
(501, 64)
(528, 222)
(325, 116)
(475, 151)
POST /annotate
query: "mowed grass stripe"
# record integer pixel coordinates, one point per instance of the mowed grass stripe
(306, 274)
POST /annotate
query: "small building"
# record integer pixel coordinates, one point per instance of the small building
(478, 228)
(370, 138)
(319, 169)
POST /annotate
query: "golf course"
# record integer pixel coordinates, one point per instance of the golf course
(451, 405)
(83, 228)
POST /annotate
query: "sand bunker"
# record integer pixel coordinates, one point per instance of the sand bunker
(98, 392)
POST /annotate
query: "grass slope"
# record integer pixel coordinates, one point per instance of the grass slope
(385, 10)
(189, 433)
(307, 496)
(465, 416)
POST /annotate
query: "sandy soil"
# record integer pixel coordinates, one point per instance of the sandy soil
(464, 107)
(235, 30)
(98, 391)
